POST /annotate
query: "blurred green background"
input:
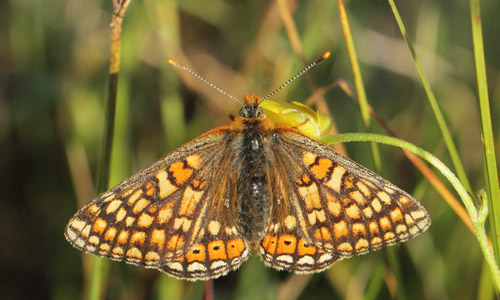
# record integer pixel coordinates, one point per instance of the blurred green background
(53, 76)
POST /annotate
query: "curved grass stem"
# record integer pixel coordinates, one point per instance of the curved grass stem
(478, 217)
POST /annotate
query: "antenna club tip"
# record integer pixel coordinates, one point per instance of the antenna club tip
(172, 62)
(322, 58)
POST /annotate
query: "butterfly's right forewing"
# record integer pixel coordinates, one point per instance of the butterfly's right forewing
(157, 215)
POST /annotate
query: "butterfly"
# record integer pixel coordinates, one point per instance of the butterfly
(253, 185)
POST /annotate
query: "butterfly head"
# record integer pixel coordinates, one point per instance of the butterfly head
(251, 108)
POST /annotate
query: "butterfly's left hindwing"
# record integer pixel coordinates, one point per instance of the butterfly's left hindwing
(284, 246)
(158, 217)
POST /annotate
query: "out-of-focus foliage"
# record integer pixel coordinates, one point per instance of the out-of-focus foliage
(53, 77)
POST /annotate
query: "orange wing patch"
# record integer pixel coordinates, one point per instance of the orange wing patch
(286, 252)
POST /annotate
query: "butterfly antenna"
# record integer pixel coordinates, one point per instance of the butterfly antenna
(179, 66)
(314, 63)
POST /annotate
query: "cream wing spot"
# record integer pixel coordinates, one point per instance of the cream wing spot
(373, 227)
(109, 197)
(388, 189)
(183, 222)
(123, 237)
(134, 197)
(113, 206)
(104, 248)
(145, 220)
(165, 214)
(389, 237)
(71, 234)
(120, 215)
(165, 186)
(325, 257)
(129, 221)
(152, 256)
(78, 224)
(175, 266)
(344, 248)
(189, 201)
(362, 245)
(99, 226)
(138, 237)
(368, 212)
(384, 197)
(117, 252)
(364, 189)
(290, 222)
(353, 211)
(376, 242)
(110, 234)
(310, 196)
(90, 248)
(414, 230)
(401, 228)
(158, 238)
(214, 227)
(218, 264)
(194, 161)
(377, 206)
(285, 258)
(140, 205)
(94, 240)
(409, 220)
(231, 230)
(404, 200)
(86, 230)
(306, 260)
(418, 214)
(340, 229)
(356, 195)
(318, 215)
(335, 181)
(308, 158)
(134, 254)
(333, 204)
(196, 267)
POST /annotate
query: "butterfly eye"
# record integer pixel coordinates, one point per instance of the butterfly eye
(244, 113)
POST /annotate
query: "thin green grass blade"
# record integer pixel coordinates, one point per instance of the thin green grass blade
(491, 172)
(376, 282)
(100, 266)
(433, 102)
(358, 82)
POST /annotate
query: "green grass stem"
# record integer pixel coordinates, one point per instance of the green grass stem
(478, 217)
(491, 172)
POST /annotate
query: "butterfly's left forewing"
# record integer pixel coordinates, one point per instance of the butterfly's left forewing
(340, 206)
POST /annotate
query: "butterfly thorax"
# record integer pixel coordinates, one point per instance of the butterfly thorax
(252, 182)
